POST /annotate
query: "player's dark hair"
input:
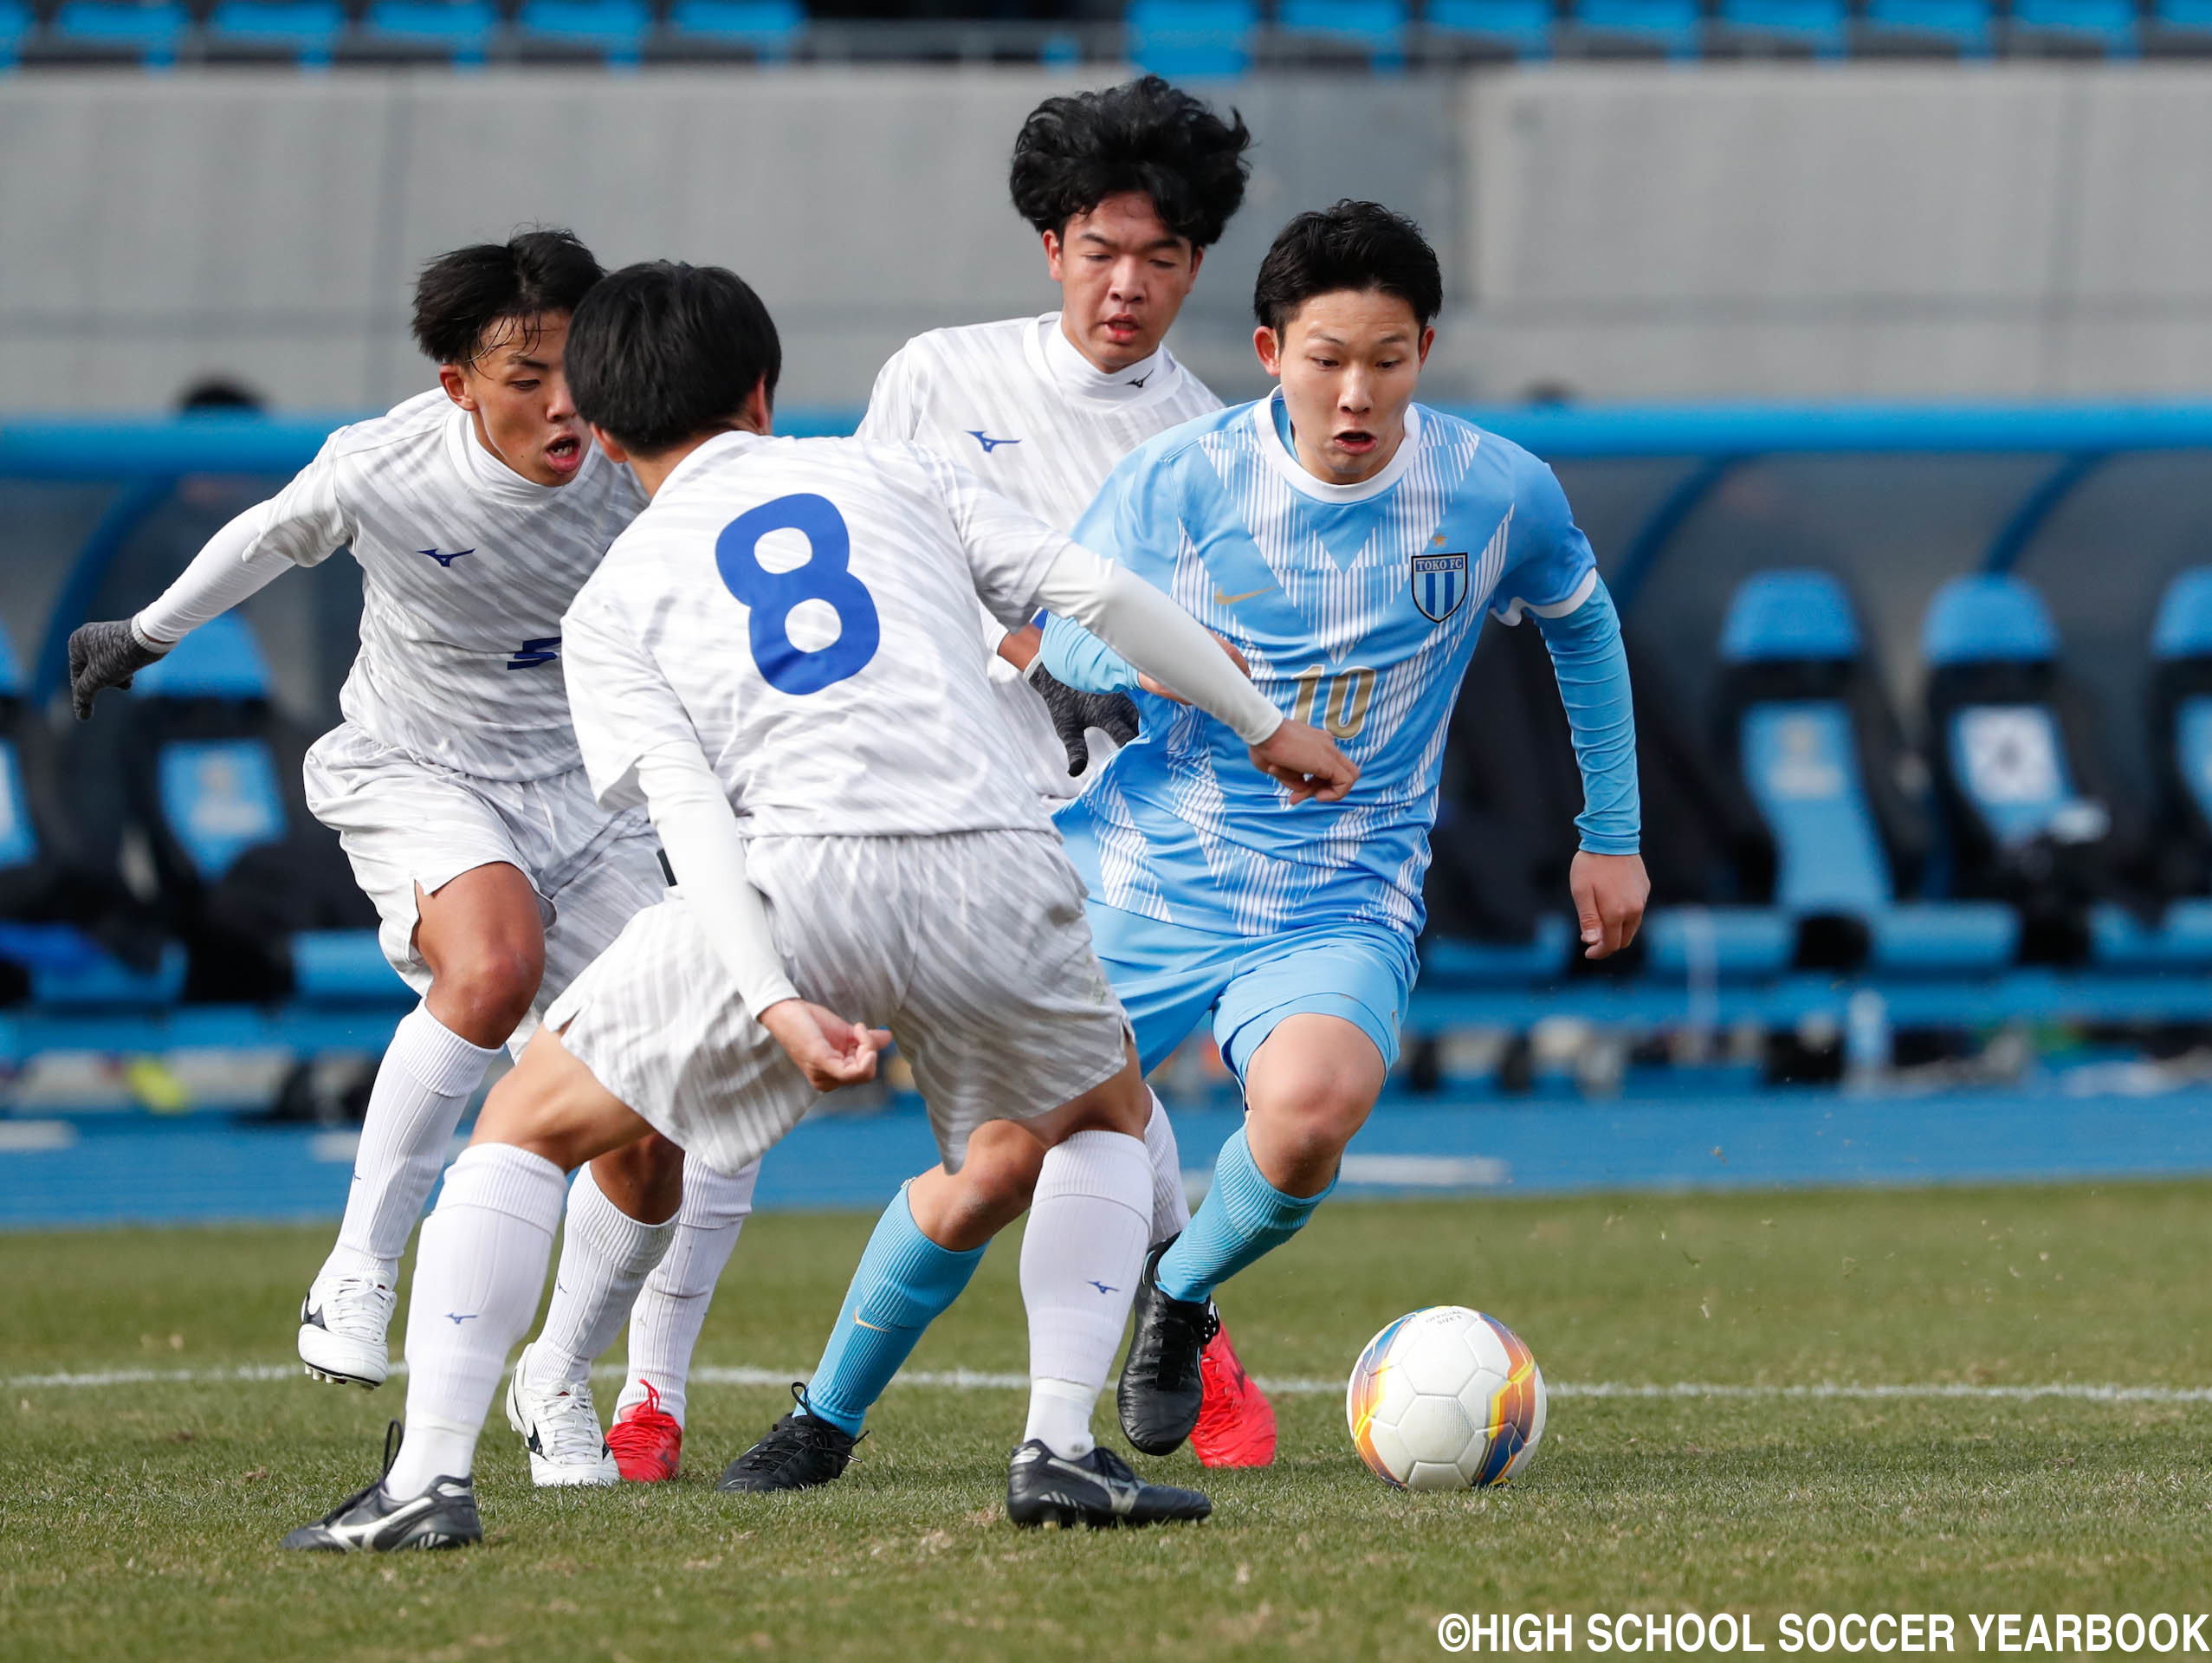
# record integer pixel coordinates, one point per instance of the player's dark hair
(459, 296)
(1353, 245)
(661, 353)
(1076, 150)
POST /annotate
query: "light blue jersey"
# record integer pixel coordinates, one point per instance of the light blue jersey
(1358, 607)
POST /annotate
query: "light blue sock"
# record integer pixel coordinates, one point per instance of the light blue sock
(1243, 1219)
(904, 1281)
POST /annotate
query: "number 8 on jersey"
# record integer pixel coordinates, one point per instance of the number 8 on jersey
(769, 597)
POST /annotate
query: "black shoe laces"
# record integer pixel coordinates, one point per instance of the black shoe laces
(797, 1432)
(1176, 1340)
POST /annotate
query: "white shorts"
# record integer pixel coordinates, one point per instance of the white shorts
(404, 822)
(972, 948)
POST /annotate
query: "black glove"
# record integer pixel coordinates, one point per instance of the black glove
(103, 655)
(1113, 714)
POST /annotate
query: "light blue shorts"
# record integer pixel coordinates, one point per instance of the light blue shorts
(1169, 977)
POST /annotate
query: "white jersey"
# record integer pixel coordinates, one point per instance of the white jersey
(466, 568)
(1016, 404)
(802, 611)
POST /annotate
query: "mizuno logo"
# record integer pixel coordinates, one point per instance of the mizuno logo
(1102, 1288)
(445, 561)
(1220, 599)
(457, 1320)
(988, 443)
(1139, 380)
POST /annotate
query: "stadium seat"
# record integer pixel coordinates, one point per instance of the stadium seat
(1193, 40)
(1375, 28)
(1521, 27)
(1675, 27)
(1821, 27)
(2031, 818)
(151, 32)
(215, 775)
(63, 913)
(2186, 24)
(614, 28)
(15, 25)
(1804, 718)
(1959, 26)
(2109, 25)
(305, 30)
(769, 29)
(460, 30)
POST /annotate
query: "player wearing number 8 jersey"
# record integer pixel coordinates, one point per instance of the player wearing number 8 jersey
(778, 662)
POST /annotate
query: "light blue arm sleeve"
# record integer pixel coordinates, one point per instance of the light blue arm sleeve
(1075, 658)
(1593, 670)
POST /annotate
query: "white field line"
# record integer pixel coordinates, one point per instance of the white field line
(966, 1380)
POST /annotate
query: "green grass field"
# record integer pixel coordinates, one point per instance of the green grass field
(138, 1520)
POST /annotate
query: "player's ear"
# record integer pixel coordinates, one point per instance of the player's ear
(606, 442)
(1269, 346)
(1052, 254)
(1428, 340)
(1198, 259)
(758, 412)
(454, 380)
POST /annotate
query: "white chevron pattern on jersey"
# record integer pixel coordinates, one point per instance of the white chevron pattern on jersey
(466, 569)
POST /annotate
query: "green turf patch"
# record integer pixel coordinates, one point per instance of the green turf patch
(138, 1520)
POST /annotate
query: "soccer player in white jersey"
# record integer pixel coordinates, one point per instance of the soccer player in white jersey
(474, 510)
(1126, 190)
(776, 663)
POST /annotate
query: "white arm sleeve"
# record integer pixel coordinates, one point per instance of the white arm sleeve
(706, 853)
(234, 565)
(1158, 637)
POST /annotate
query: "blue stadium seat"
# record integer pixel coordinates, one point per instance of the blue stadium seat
(151, 31)
(308, 29)
(769, 29)
(614, 28)
(219, 796)
(15, 25)
(2110, 25)
(1522, 27)
(1960, 26)
(1821, 27)
(1375, 27)
(1803, 703)
(1446, 963)
(1675, 27)
(460, 30)
(2184, 21)
(1193, 40)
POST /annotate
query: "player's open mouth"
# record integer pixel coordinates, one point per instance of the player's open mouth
(1356, 440)
(1120, 328)
(565, 456)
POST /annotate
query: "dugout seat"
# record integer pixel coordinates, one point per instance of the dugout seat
(2107, 26)
(1520, 27)
(245, 872)
(769, 29)
(1193, 40)
(461, 31)
(614, 30)
(1961, 27)
(2032, 820)
(1820, 27)
(1804, 723)
(71, 934)
(1372, 31)
(1674, 27)
(305, 31)
(151, 31)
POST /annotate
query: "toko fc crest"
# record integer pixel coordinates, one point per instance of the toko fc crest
(1439, 584)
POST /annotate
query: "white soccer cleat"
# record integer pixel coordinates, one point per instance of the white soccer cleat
(560, 1427)
(342, 1324)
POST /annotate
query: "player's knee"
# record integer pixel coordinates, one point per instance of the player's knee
(1313, 1118)
(488, 989)
(997, 1181)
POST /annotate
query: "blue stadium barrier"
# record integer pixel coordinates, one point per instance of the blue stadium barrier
(1193, 40)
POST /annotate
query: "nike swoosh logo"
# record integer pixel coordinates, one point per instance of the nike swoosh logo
(861, 1322)
(1220, 599)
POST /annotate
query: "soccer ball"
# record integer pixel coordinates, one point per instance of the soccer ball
(1445, 1399)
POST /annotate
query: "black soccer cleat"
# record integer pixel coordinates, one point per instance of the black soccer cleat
(373, 1521)
(799, 1453)
(1099, 1490)
(1160, 1387)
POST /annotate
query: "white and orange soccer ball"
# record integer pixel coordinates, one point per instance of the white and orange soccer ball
(1446, 1397)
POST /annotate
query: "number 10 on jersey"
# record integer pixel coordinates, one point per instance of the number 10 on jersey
(1337, 703)
(769, 597)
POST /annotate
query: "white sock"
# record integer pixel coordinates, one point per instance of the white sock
(1170, 1204)
(605, 1256)
(1081, 1256)
(665, 1324)
(477, 1279)
(427, 1077)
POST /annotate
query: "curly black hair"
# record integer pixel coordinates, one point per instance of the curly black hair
(1349, 245)
(460, 296)
(1075, 151)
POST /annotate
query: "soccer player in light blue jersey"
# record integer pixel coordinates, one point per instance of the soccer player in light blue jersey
(1349, 542)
